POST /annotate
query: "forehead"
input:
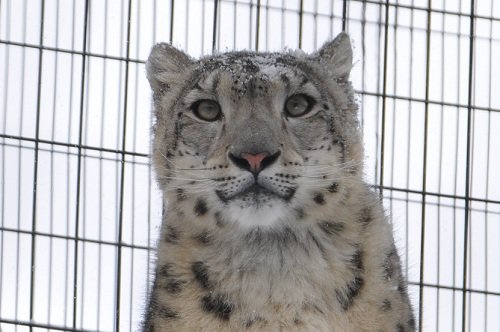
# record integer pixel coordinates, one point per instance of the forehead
(250, 70)
(244, 64)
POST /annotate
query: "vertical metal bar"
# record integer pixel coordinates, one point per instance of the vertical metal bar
(468, 162)
(440, 173)
(79, 163)
(424, 166)
(134, 148)
(122, 172)
(408, 147)
(202, 26)
(363, 61)
(151, 122)
(51, 208)
(101, 185)
(315, 33)
(394, 101)
(488, 153)
(257, 26)
(35, 167)
(384, 97)
(186, 25)
(172, 7)
(250, 23)
(86, 135)
(455, 183)
(268, 24)
(301, 22)
(214, 31)
(283, 20)
(344, 15)
(234, 23)
(68, 167)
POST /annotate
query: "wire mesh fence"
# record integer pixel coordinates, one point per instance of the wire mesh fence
(79, 211)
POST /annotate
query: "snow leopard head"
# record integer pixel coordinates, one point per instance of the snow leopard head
(261, 136)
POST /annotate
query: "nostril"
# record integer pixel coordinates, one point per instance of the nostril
(267, 161)
(240, 162)
(254, 162)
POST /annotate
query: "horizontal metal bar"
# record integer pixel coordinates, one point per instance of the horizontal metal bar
(439, 204)
(422, 100)
(72, 238)
(373, 2)
(458, 289)
(69, 51)
(72, 145)
(40, 325)
(75, 154)
(419, 192)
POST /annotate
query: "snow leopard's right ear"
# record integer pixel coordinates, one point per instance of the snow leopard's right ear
(336, 55)
(164, 67)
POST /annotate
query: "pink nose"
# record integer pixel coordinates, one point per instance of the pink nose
(255, 160)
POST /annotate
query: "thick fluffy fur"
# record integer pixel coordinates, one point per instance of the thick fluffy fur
(310, 249)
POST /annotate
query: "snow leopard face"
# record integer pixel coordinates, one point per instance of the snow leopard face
(260, 136)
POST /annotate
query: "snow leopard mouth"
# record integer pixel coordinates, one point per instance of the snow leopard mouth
(256, 192)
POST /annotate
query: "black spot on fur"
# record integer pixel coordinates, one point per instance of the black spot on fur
(288, 194)
(319, 199)
(200, 271)
(219, 221)
(300, 213)
(204, 238)
(200, 207)
(411, 324)
(400, 328)
(147, 325)
(218, 305)
(334, 187)
(366, 217)
(168, 279)
(165, 270)
(171, 234)
(346, 295)
(318, 244)
(181, 194)
(386, 305)
(402, 287)
(331, 228)
(175, 286)
(357, 260)
(390, 264)
(221, 195)
(166, 312)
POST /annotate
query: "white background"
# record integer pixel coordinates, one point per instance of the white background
(41, 102)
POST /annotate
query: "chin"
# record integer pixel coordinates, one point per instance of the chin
(257, 210)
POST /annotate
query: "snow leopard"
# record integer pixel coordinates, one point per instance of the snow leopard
(268, 223)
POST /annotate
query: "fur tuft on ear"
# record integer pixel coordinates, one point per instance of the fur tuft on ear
(336, 55)
(164, 65)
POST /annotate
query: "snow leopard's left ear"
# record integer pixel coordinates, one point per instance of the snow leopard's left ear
(336, 55)
(165, 66)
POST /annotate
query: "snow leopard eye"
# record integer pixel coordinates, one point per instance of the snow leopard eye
(207, 110)
(298, 105)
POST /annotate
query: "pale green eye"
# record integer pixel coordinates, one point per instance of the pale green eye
(298, 105)
(207, 110)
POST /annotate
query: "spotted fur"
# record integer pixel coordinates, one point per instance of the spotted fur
(293, 241)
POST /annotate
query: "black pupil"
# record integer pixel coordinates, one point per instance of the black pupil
(208, 110)
(297, 105)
